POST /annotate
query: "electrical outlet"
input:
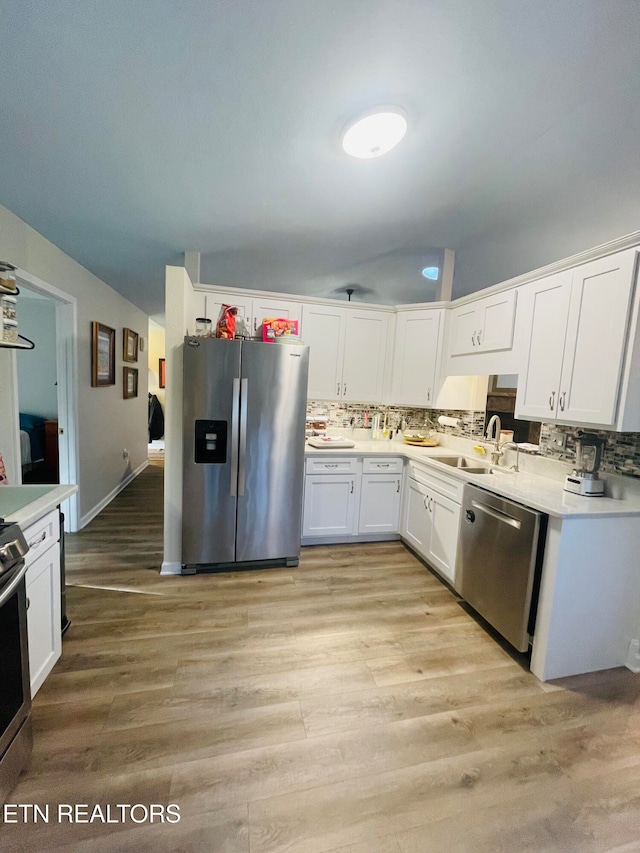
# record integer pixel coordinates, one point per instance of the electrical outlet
(557, 439)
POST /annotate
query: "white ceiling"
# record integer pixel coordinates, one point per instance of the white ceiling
(135, 130)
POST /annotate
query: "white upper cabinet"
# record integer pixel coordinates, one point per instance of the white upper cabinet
(596, 337)
(418, 334)
(546, 302)
(485, 325)
(347, 352)
(577, 342)
(365, 352)
(209, 304)
(251, 309)
(324, 333)
(274, 308)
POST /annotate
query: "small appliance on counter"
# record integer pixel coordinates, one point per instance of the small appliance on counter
(584, 479)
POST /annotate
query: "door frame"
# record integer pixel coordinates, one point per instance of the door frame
(67, 370)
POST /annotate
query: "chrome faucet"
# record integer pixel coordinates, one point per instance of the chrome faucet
(493, 434)
(504, 446)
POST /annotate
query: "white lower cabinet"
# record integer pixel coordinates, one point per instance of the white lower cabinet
(443, 542)
(415, 528)
(430, 520)
(379, 503)
(347, 496)
(329, 504)
(43, 615)
(44, 628)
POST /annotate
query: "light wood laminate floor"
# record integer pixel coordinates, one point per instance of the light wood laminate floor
(350, 705)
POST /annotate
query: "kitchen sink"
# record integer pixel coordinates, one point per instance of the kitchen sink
(461, 462)
(468, 465)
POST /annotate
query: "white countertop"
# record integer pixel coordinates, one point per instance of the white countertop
(26, 504)
(532, 490)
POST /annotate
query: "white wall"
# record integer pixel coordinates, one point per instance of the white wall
(37, 377)
(505, 250)
(107, 422)
(155, 351)
(178, 297)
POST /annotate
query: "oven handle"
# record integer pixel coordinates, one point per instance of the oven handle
(8, 591)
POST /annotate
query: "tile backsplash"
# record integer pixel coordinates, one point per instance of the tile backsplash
(339, 415)
(622, 449)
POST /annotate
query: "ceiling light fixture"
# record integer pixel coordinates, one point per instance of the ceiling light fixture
(430, 272)
(375, 132)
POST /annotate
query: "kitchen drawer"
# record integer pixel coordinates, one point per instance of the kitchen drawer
(446, 486)
(42, 534)
(382, 465)
(332, 465)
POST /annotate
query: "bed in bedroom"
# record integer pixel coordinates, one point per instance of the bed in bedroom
(38, 448)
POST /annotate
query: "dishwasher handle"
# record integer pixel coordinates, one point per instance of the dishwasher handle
(494, 513)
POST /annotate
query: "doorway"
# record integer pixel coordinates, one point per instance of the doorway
(47, 388)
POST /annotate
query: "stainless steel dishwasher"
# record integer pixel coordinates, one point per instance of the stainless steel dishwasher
(499, 560)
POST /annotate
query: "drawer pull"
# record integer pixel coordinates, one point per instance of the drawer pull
(38, 541)
(398, 487)
(382, 465)
(331, 465)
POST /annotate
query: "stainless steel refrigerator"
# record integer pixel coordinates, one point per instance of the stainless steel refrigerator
(244, 410)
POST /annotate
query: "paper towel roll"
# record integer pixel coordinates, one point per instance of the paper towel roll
(447, 421)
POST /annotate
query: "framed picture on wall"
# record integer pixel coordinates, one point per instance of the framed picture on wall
(129, 382)
(103, 355)
(162, 376)
(129, 345)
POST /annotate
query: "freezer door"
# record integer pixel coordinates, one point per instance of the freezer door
(211, 440)
(271, 466)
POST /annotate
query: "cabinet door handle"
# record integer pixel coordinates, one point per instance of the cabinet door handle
(428, 393)
(255, 324)
(344, 389)
(338, 393)
(430, 504)
(426, 498)
(561, 400)
(35, 542)
(473, 338)
(352, 482)
(398, 487)
(478, 337)
(552, 400)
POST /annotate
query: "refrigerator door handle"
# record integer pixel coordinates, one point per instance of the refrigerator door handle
(242, 459)
(235, 433)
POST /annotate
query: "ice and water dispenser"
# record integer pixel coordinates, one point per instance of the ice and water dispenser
(211, 441)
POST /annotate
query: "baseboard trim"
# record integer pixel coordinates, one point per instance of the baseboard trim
(633, 656)
(112, 494)
(171, 569)
(348, 540)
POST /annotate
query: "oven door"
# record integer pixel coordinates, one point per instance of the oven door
(15, 692)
